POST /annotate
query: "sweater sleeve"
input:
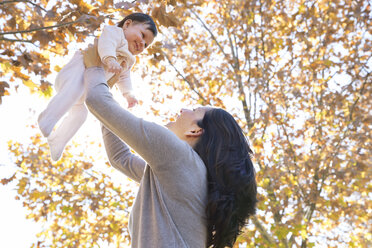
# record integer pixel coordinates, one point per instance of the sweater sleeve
(124, 83)
(157, 145)
(121, 158)
(109, 40)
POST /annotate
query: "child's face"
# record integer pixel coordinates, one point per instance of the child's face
(138, 36)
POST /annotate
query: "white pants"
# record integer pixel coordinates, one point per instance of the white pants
(69, 99)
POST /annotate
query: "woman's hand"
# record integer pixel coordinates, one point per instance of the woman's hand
(91, 57)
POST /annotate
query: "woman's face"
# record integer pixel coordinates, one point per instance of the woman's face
(186, 121)
(138, 35)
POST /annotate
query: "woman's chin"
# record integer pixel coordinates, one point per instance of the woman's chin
(169, 124)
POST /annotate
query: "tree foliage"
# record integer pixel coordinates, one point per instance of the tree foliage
(297, 75)
(300, 71)
(78, 206)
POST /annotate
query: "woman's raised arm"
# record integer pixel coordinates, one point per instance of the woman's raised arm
(154, 143)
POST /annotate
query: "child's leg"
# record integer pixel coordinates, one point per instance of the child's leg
(70, 87)
(69, 126)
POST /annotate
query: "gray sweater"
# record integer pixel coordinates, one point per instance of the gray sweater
(169, 210)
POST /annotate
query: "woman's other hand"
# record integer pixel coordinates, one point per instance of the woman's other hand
(91, 57)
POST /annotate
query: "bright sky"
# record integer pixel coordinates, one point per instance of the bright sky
(15, 113)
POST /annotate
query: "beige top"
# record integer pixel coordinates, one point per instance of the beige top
(112, 43)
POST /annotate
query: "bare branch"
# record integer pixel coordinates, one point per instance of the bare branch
(357, 100)
(15, 40)
(210, 32)
(263, 231)
(236, 68)
(41, 28)
(184, 78)
(24, 1)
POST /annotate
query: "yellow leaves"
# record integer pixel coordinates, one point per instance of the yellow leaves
(36, 195)
(31, 85)
(22, 185)
(66, 209)
(85, 7)
(281, 232)
(114, 226)
(49, 23)
(302, 9)
(303, 234)
(46, 89)
(321, 64)
(75, 199)
(6, 66)
(265, 182)
(283, 84)
(258, 146)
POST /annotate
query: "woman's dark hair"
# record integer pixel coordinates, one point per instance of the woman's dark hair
(232, 190)
(141, 18)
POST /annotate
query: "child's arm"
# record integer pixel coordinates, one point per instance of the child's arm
(112, 65)
(125, 86)
(110, 39)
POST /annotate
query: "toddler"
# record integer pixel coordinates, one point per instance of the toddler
(117, 47)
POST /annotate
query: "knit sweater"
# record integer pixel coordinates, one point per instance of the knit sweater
(169, 210)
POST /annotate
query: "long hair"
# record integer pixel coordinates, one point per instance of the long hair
(232, 186)
(141, 18)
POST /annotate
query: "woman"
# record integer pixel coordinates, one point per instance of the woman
(197, 181)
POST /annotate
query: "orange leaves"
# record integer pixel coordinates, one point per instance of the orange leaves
(70, 193)
(22, 185)
(42, 37)
(5, 181)
(321, 64)
(299, 72)
(3, 91)
(165, 18)
(32, 31)
(12, 23)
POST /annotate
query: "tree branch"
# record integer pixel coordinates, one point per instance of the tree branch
(184, 78)
(210, 32)
(41, 28)
(357, 100)
(236, 68)
(15, 40)
(24, 1)
(263, 231)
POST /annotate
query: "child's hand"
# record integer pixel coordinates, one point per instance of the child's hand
(124, 65)
(112, 65)
(131, 99)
